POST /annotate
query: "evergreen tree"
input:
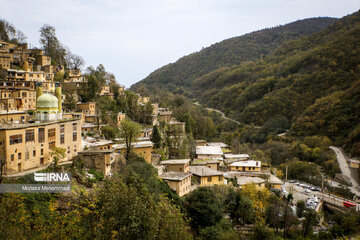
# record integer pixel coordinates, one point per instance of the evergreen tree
(156, 137)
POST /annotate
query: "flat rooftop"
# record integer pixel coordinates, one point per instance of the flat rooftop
(209, 150)
(175, 161)
(36, 124)
(246, 164)
(203, 171)
(174, 176)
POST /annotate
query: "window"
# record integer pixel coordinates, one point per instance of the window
(62, 134)
(74, 136)
(51, 145)
(23, 94)
(253, 168)
(62, 128)
(74, 148)
(30, 135)
(51, 134)
(34, 153)
(249, 168)
(68, 149)
(41, 135)
(209, 179)
(42, 151)
(220, 178)
(19, 156)
(12, 157)
(15, 139)
(74, 126)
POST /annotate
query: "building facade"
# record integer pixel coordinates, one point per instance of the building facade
(28, 146)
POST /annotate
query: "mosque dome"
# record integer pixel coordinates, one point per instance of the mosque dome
(47, 101)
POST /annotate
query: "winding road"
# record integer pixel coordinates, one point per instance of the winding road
(345, 169)
(223, 115)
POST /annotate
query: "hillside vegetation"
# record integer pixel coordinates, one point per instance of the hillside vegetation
(178, 77)
(312, 81)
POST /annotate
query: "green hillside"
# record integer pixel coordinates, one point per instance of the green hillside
(312, 81)
(179, 76)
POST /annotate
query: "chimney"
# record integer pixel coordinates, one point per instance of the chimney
(58, 95)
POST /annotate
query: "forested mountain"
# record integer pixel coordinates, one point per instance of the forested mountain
(178, 77)
(312, 81)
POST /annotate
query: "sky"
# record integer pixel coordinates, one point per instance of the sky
(132, 38)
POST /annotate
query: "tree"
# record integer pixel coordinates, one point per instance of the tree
(129, 130)
(203, 208)
(109, 132)
(156, 137)
(58, 154)
(300, 208)
(73, 61)
(69, 102)
(262, 232)
(8, 33)
(240, 208)
(309, 221)
(51, 44)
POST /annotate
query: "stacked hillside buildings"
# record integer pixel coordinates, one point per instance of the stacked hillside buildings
(27, 144)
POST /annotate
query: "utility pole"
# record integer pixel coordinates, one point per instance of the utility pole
(286, 173)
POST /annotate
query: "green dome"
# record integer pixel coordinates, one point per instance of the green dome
(47, 100)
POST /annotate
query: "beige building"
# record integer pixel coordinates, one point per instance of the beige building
(43, 60)
(121, 90)
(354, 163)
(200, 142)
(206, 176)
(90, 128)
(209, 152)
(180, 125)
(274, 182)
(105, 90)
(237, 157)
(90, 118)
(164, 114)
(176, 165)
(180, 182)
(87, 108)
(28, 146)
(213, 164)
(12, 117)
(245, 180)
(120, 117)
(142, 149)
(100, 160)
(246, 166)
(145, 133)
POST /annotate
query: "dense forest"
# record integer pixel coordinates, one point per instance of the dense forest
(312, 82)
(178, 77)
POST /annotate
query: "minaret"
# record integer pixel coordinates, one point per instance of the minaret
(58, 96)
(39, 90)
